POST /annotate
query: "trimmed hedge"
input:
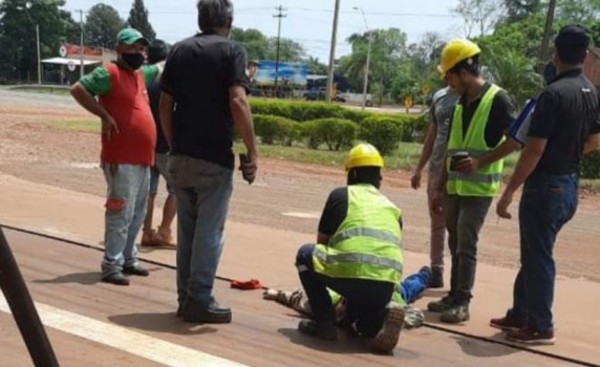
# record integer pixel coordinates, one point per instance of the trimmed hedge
(286, 121)
(275, 129)
(383, 132)
(335, 133)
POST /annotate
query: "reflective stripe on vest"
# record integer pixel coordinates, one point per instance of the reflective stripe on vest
(364, 232)
(357, 258)
(486, 181)
(476, 177)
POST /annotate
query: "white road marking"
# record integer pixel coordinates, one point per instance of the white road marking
(118, 337)
(301, 215)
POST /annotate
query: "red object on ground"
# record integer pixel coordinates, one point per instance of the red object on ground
(249, 285)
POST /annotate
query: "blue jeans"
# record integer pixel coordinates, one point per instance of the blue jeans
(411, 287)
(547, 204)
(203, 190)
(127, 197)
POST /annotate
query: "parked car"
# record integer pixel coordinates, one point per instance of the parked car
(320, 94)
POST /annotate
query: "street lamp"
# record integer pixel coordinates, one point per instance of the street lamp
(366, 79)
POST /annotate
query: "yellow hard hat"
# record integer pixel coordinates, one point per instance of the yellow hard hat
(456, 51)
(364, 155)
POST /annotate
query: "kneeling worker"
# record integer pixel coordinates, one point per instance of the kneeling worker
(358, 255)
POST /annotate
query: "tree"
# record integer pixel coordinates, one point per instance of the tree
(515, 73)
(102, 26)
(255, 43)
(289, 50)
(316, 67)
(138, 19)
(387, 49)
(478, 15)
(18, 21)
(520, 9)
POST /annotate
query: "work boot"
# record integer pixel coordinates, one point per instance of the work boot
(507, 323)
(442, 305)
(387, 338)
(164, 237)
(456, 314)
(116, 279)
(318, 329)
(437, 277)
(136, 270)
(199, 313)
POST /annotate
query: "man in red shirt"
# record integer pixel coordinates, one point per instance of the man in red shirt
(128, 139)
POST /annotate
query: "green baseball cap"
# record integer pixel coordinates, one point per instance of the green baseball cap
(129, 36)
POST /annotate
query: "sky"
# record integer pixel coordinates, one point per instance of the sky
(308, 22)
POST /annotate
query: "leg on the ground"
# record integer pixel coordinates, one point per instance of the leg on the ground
(140, 182)
(411, 287)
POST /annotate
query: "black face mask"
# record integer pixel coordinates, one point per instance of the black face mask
(134, 61)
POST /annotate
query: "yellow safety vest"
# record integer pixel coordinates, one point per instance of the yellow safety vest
(486, 181)
(368, 243)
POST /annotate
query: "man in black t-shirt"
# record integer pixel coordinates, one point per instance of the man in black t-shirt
(205, 78)
(564, 127)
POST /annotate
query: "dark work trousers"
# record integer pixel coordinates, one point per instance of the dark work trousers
(464, 218)
(366, 300)
(547, 204)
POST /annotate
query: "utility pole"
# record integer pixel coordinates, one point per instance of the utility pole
(366, 77)
(280, 16)
(81, 71)
(547, 31)
(336, 16)
(39, 56)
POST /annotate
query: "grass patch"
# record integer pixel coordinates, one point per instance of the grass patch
(92, 126)
(44, 89)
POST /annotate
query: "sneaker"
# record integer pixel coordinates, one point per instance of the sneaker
(530, 336)
(508, 324)
(149, 238)
(320, 330)
(442, 305)
(116, 279)
(456, 315)
(136, 270)
(164, 237)
(387, 338)
(197, 313)
(437, 277)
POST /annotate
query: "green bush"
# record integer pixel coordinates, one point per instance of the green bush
(383, 132)
(275, 129)
(590, 165)
(336, 133)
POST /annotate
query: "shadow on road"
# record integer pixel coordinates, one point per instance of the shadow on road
(86, 278)
(160, 322)
(345, 344)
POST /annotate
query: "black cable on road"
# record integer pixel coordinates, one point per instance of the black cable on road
(428, 325)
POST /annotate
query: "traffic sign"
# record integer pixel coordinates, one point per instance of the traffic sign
(63, 51)
(71, 66)
(425, 89)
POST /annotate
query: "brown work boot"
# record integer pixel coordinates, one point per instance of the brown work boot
(387, 338)
(508, 323)
(149, 238)
(530, 336)
(164, 237)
